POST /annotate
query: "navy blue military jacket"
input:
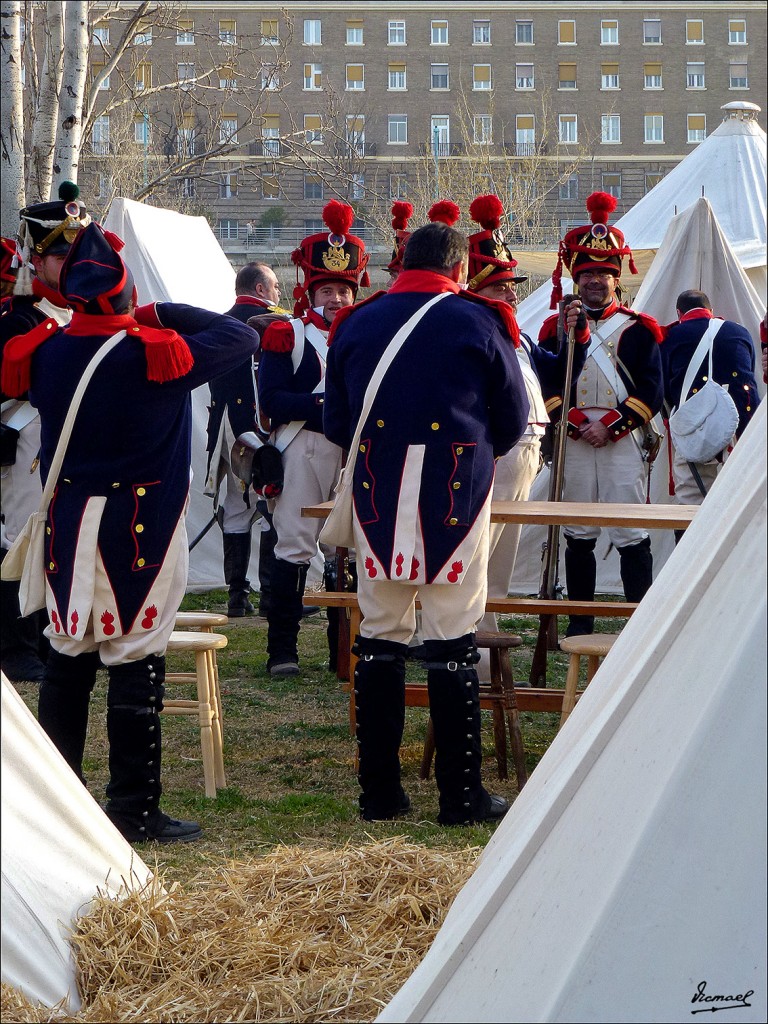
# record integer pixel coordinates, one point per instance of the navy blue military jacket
(454, 389)
(285, 393)
(733, 362)
(234, 392)
(131, 444)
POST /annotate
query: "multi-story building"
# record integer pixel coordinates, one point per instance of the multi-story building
(257, 113)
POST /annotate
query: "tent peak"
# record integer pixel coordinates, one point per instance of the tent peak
(741, 110)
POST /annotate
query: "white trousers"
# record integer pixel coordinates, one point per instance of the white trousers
(686, 489)
(21, 488)
(311, 467)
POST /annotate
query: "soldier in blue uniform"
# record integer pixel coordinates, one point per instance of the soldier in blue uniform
(452, 402)
(613, 400)
(733, 367)
(116, 546)
(291, 393)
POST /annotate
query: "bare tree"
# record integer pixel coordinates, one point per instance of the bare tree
(69, 129)
(45, 99)
(12, 127)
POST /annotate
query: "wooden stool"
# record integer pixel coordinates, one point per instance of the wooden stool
(595, 646)
(206, 622)
(499, 696)
(208, 704)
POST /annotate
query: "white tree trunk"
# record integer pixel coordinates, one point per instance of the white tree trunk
(40, 161)
(70, 125)
(12, 122)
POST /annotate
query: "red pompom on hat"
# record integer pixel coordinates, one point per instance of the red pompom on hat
(445, 212)
(490, 258)
(595, 246)
(333, 256)
(401, 214)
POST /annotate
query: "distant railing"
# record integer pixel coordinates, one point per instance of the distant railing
(280, 237)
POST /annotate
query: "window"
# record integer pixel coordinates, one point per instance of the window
(610, 128)
(611, 183)
(525, 134)
(96, 70)
(228, 229)
(270, 135)
(570, 189)
(738, 76)
(694, 75)
(652, 31)
(609, 76)
(100, 135)
(105, 186)
(566, 33)
(398, 186)
(228, 185)
(568, 128)
(270, 31)
(185, 138)
(523, 76)
(694, 32)
(396, 33)
(355, 133)
(438, 78)
(185, 33)
(652, 179)
(228, 79)
(652, 76)
(566, 76)
(482, 130)
(357, 186)
(270, 186)
(397, 128)
(143, 77)
(440, 127)
(654, 128)
(439, 35)
(270, 79)
(187, 188)
(313, 225)
(313, 77)
(185, 73)
(355, 77)
(354, 31)
(396, 77)
(228, 32)
(524, 33)
(481, 33)
(481, 77)
(228, 129)
(101, 34)
(143, 37)
(609, 33)
(313, 32)
(313, 186)
(697, 127)
(737, 31)
(141, 131)
(313, 131)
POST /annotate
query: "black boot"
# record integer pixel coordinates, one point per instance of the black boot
(454, 704)
(134, 702)
(267, 541)
(19, 637)
(580, 582)
(380, 718)
(636, 569)
(237, 555)
(63, 704)
(288, 580)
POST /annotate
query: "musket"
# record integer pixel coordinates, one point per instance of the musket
(547, 638)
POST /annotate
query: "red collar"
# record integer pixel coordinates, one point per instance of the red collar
(311, 317)
(84, 324)
(250, 300)
(423, 281)
(699, 313)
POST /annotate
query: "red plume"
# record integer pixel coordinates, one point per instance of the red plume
(487, 211)
(600, 205)
(401, 214)
(445, 211)
(338, 216)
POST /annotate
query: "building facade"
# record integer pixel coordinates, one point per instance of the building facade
(255, 114)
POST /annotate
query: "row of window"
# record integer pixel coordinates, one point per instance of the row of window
(439, 32)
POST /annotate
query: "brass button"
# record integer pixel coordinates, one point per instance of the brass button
(456, 485)
(362, 447)
(582, 404)
(734, 374)
(460, 450)
(608, 391)
(453, 521)
(239, 401)
(51, 566)
(141, 491)
(366, 485)
(139, 528)
(48, 529)
(705, 379)
(435, 426)
(141, 563)
(379, 423)
(115, 485)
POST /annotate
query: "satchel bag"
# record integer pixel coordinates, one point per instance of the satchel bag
(25, 560)
(259, 463)
(703, 424)
(338, 530)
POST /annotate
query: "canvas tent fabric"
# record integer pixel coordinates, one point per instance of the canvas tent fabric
(631, 868)
(58, 849)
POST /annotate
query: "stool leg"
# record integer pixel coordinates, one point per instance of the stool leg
(429, 750)
(205, 714)
(571, 683)
(499, 730)
(217, 723)
(513, 719)
(593, 661)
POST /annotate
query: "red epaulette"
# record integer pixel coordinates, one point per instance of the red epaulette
(346, 311)
(502, 308)
(278, 337)
(653, 326)
(544, 331)
(16, 374)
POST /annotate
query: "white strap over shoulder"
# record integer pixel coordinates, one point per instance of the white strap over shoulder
(707, 342)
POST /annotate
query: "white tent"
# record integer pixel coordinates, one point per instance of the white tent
(175, 258)
(629, 875)
(58, 849)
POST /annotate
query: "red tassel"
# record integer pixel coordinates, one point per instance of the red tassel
(168, 355)
(557, 290)
(16, 374)
(365, 281)
(114, 240)
(632, 267)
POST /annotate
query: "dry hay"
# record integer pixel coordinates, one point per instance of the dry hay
(299, 935)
